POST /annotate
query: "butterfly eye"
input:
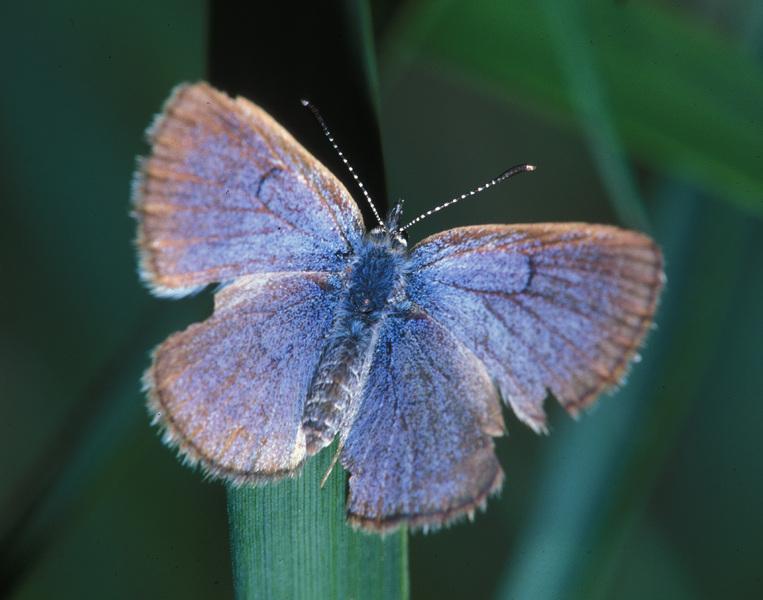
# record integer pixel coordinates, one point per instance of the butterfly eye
(397, 239)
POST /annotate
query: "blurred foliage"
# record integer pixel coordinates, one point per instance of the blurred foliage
(655, 493)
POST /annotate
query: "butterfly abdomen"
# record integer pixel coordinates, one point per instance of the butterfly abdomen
(376, 286)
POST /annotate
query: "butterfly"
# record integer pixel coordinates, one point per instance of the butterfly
(323, 329)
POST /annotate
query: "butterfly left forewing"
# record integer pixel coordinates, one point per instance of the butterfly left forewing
(227, 192)
(546, 307)
(419, 450)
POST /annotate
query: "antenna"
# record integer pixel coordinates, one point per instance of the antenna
(317, 115)
(505, 175)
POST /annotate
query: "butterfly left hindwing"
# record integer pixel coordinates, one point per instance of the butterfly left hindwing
(230, 391)
(420, 449)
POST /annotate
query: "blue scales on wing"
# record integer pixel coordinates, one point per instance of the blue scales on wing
(230, 391)
(323, 330)
(229, 196)
(546, 307)
(420, 449)
(228, 192)
(521, 310)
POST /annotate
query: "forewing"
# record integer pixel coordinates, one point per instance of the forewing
(230, 391)
(559, 307)
(420, 450)
(228, 192)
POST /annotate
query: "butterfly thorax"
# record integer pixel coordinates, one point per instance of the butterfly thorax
(375, 284)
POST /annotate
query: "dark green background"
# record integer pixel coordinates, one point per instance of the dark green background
(655, 493)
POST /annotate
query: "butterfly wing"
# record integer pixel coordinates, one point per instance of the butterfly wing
(559, 307)
(230, 391)
(227, 192)
(420, 450)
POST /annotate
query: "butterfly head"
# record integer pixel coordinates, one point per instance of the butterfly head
(390, 231)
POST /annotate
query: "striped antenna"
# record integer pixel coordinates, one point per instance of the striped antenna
(505, 175)
(319, 118)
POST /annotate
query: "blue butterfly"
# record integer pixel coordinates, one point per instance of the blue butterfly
(324, 329)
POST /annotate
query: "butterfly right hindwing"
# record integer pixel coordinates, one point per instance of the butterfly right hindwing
(420, 449)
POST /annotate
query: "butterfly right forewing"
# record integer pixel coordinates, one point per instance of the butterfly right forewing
(546, 307)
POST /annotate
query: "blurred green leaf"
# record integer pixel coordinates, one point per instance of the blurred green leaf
(684, 99)
(81, 81)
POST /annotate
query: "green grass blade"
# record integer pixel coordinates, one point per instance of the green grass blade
(290, 540)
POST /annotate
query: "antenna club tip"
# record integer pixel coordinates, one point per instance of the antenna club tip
(530, 168)
(305, 102)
